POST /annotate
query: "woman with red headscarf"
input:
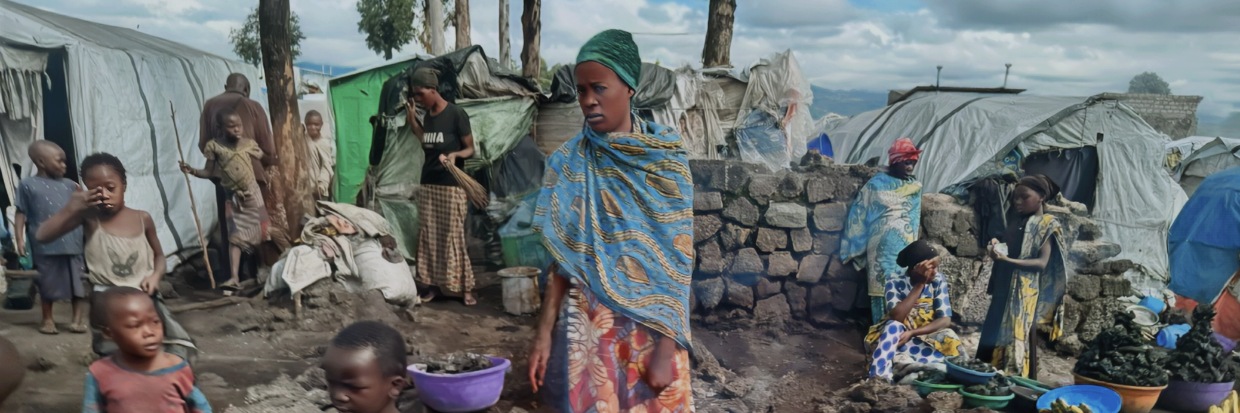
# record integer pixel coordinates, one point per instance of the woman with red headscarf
(885, 218)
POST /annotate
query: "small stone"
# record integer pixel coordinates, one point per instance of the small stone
(772, 312)
(786, 215)
(42, 365)
(840, 271)
(709, 292)
(711, 260)
(802, 240)
(830, 217)
(844, 295)
(819, 189)
(747, 262)
(735, 237)
(742, 211)
(797, 296)
(739, 295)
(781, 264)
(819, 297)
(762, 188)
(771, 239)
(791, 186)
(1085, 287)
(707, 201)
(1115, 286)
(705, 226)
(812, 268)
(281, 314)
(767, 288)
(826, 244)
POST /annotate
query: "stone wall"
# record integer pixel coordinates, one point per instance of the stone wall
(768, 251)
(1174, 115)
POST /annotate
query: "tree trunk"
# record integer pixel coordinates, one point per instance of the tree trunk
(462, 25)
(505, 49)
(291, 192)
(531, 26)
(434, 25)
(717, 51)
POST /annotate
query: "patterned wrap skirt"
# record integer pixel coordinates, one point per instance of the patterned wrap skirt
(443, 258)
(599, 360)
(247, 217)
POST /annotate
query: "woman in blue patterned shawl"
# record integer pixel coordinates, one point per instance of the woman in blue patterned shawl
(885, 218)
(616, 214)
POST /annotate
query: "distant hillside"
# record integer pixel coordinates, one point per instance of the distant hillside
(846, 102)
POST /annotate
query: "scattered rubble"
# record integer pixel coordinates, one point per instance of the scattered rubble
(457, 363)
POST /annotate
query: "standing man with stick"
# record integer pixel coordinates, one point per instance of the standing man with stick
(255, 126)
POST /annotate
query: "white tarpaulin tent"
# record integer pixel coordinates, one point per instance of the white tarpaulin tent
(967, 135)
(119, 83)
(1202, 156)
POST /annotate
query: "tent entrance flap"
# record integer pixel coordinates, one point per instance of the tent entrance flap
(57, 125)
(1075, 170)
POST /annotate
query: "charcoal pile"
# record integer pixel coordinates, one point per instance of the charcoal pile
(458, 363)
(1119, 355)
(1198, 358)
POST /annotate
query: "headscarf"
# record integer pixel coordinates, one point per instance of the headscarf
(903, 150)
(425, 77)
(1041, 184)
(616, 211)
(615, 50)
(915, 253)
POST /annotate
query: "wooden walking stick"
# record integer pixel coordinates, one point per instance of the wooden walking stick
(193, 205)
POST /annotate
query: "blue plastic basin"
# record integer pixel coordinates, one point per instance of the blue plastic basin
(1099, 399)
(967, 376)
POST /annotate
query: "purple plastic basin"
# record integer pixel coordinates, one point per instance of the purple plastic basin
(1183, 396)
(461, 393)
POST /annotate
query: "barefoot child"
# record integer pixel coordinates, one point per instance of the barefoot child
(140, 376)
(230, 158)
(122, 249)
(365, 368)
(58, 260)
(322, 163)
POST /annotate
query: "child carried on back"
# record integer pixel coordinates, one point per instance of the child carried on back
(139, 376)
(122, 249)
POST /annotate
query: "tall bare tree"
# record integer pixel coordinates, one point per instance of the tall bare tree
(717, 51)
(462, 25)
(505, 48)
(291, 192)
(434, 26)
(531, 26)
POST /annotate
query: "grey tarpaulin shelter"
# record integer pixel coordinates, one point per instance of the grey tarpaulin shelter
(106, 89)
(1200, 157)
(968, 135)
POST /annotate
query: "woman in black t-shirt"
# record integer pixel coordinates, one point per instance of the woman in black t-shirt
(447, 139)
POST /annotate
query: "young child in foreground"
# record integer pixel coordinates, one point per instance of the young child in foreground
(230, 158)
(365, 368)
(58, 260)
(140, 376)
(122, 249)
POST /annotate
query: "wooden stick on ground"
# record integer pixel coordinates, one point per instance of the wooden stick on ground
(206, 305)
(193, 205)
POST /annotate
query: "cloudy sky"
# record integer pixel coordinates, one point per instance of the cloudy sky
(1056, 47)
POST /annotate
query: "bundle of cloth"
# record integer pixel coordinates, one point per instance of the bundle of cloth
(350, 245)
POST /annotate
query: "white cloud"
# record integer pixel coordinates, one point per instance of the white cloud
(839, 46)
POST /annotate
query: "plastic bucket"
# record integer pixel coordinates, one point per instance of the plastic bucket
(1184, 396)
(1154, 304)
(461, 393)
(1135, 399)
(520, 290)
(1169, 335)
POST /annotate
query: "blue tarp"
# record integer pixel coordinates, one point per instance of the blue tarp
(1205, 239)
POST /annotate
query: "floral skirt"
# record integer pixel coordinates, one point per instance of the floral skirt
(599, 360)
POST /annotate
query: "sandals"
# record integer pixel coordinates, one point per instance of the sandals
(78, 328)
(230, 288)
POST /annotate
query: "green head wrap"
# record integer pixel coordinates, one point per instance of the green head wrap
(616, 50)
(426, 77)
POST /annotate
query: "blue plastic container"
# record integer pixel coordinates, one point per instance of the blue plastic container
(966, 376)
(1099, 399)
(1169, 335)
(1154, 304)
